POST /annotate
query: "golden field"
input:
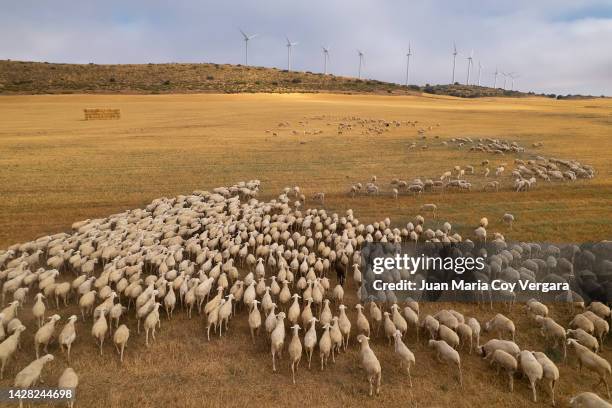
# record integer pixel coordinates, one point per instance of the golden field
(56, 168)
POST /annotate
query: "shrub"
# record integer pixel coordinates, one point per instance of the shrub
(296, 80)
(210, 77)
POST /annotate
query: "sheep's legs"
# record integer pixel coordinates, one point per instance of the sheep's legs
(533, 389)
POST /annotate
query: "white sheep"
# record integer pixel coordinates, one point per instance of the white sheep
(591, 361)
(151, 322)
(532, 369)
(8, 347)
(551, 372)
(406, 356)
(501, 325)
(277, 339)
(254, 320)
(325, 346)
(506, 362)
(67, 335)
(370, 363)
(120, 338)
(99, 328)
(44, 334)
(446, 353)
(295, 351)
(310, 339)
(69, 380)
(345, 325)
(32, 373)
(38, 310)
(588, 400)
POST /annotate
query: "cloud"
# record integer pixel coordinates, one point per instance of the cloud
(557, 46)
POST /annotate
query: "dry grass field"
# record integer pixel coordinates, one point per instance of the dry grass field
(56, 168)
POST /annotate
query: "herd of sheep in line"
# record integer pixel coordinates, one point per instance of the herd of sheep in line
(190, 250)
(523, 177)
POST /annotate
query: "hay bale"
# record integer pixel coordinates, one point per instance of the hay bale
(101, 114)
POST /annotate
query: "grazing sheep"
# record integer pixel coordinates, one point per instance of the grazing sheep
(465, 334)
(551, 372)
(406, 356)
(448, 354)
(588, 400)
(475, 326)
(32, 373)
(430, 324)
(120, 338)
(508, 219)
(8, 347)
(580, 321)
(591, 361)
(506, 362)
(532, 369)
(552, 331)
(369, 362)
(69, 380)
(490, 346)
(501, 325)
(430, 207)
(535, 308)
(449, 336)
(584, 338)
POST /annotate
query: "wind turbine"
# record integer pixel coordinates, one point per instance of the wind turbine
(479, 71)
(512, 76)
(505, 78)
(454, 60)
(361, 55)
(408, 63)
(290, 45)
(496, 73)
(246, 45)
(325, 58)
(467, 82)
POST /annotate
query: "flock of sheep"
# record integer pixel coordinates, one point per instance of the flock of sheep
(226, 255)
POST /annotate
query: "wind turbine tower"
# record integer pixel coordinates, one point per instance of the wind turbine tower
(360, 63)
(467, 82)
(454, 61)
(496, 73)
(290, 45)
(479, 71)
(325, 58)
(247, 38)
(408, 63)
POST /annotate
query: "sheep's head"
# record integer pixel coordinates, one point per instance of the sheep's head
(362, 338)
(47, 358)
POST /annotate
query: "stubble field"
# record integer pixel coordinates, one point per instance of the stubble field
(56, 168)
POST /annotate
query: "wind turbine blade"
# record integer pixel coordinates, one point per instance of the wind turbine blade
(253, 36)
(246, 37)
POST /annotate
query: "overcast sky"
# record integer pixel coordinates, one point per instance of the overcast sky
(559, 46)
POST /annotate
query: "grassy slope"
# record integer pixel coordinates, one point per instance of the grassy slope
(57, 168)
(42, 78)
